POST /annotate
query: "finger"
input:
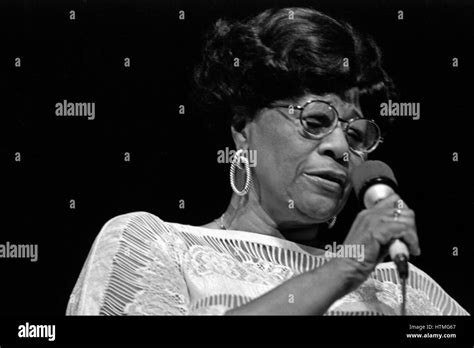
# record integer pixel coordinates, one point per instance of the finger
(385, 232)
(401, 216)
(406, 217)
(411, 240)
(408, 234)
(388, 202)
(388, 215)
(362, 220)
(368, 218)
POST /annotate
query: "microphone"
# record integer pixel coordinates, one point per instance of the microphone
(372, 182)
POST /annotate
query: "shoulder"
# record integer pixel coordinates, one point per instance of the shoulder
(124, 241)
(140, 225)
(140, 232)
(123, 221)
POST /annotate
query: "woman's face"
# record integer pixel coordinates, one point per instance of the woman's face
(296, 175)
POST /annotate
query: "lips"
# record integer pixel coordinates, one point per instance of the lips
(337, 177)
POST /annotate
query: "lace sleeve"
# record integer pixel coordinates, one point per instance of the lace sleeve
(424, 295)
(133, 268)
(381, 294)
(422, 289)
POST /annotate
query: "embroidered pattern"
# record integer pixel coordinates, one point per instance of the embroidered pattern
(140, 265)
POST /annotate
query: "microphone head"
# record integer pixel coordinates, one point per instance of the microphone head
(369, 173)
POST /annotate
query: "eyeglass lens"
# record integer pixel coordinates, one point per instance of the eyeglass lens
(319, 119)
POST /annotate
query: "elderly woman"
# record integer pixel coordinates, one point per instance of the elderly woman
(290, 82)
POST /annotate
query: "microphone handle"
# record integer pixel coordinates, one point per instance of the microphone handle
(399, 254)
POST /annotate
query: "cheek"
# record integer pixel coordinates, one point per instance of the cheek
(354, 161)
(280, 152)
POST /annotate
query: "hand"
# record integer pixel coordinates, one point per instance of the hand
(376, 228)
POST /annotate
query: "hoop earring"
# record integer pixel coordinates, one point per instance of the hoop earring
(331, 222)
(236, 162)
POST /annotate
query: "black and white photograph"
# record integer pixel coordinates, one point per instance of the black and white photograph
(294, 165)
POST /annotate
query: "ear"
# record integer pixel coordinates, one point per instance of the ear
(241, 137)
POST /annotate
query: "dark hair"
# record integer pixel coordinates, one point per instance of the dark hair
(282, 54)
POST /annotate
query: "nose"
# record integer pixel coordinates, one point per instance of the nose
(334, 145)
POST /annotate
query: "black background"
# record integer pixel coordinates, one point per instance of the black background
(173, 156)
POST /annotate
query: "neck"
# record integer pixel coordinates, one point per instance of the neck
(245, 213)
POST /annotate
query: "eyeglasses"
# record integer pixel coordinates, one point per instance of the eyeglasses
(319, 119)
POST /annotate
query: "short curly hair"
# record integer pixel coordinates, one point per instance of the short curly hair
(284, 53)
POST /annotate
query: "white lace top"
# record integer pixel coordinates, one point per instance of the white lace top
(141, 265)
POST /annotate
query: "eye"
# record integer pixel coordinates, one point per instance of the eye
(317, 121)
(355, 134)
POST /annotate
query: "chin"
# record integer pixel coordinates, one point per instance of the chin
(320, 208)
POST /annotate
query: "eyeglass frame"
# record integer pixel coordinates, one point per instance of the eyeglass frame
(344, 126)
